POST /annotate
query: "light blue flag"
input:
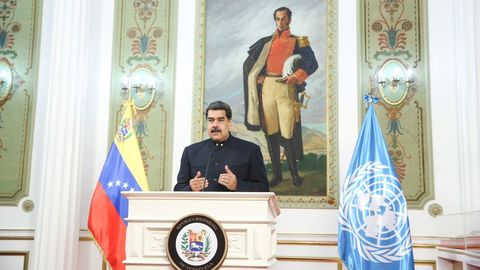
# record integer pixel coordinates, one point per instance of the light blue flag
(373, 229)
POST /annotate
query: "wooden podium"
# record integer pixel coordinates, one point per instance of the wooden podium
(248, 219)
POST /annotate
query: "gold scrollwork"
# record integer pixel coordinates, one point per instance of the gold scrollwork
(27, 206)
(435, 210)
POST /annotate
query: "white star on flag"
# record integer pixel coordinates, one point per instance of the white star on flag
(110, 184)
(117, 183)
(132, 189)
(125, 185)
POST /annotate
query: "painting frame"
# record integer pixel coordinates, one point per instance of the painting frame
(330, 199)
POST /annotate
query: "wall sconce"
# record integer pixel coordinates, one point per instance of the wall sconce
(394, 82)
(3, 78)
(140, 87)
(6, 82)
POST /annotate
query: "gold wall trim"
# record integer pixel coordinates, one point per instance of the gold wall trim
(17, 253)
(291, 235)
(306, 243)
(17, 230)
(334, 243)
(279, 242)
(432, 246)
(338, 261)
(15, 238)
(31, 238)
(85, 238)
(427, 262)
(459, 251)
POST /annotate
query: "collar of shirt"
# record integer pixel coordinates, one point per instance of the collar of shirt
(283, 35)
(223, 143)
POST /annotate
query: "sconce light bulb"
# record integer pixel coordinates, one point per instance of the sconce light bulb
(380, 76)
(396, 74)
(151, 83)
(409, 74)
(3, 75)
(125, 82)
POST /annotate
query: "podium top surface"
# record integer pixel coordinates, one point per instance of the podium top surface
(213, 196)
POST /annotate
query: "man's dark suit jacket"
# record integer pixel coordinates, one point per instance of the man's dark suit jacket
(243, 158)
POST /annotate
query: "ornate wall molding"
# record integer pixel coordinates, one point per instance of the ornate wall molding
(19, 31)
(394, 68)
(143, 70)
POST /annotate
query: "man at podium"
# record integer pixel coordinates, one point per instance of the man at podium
(222, 162)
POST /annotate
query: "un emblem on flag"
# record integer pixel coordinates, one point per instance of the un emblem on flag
(197, 242)
(375, 214)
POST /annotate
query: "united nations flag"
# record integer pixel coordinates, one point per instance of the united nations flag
(373, 229)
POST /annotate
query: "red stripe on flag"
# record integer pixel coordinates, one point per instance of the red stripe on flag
(107, 228)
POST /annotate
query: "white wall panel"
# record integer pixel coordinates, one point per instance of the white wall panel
(443, 104)
(12, 261)
(16, 249)
(90, 258)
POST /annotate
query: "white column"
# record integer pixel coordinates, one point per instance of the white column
(475, 184)
(443, 93)
(60, 130)
(348, 98)
(467, 91)
(183, 84)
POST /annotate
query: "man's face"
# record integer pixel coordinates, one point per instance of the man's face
(218, 125)
(282, 20)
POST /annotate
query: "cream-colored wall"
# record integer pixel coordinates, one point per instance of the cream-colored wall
(454, 56)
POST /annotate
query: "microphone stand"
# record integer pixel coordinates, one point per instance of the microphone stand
(206, 170)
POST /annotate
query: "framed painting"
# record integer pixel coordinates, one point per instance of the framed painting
(227, 33)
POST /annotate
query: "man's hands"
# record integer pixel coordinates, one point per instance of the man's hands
(228, 179)
(291, 79)
(260, 79)
(198, 182)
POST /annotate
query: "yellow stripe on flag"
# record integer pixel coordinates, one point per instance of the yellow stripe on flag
(127, 144)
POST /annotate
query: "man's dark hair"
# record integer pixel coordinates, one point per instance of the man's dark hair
(289, 12)
(219, 105)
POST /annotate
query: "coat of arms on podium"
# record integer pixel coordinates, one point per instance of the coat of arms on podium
(197, 242)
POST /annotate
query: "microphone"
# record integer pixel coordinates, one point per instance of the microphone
(206, 170)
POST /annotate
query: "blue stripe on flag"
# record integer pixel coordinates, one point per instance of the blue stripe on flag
(115, 178)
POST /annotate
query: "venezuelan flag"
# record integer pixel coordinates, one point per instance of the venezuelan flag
(123, 171)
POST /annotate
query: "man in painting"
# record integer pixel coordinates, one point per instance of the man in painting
(274, 75)
(222, 162)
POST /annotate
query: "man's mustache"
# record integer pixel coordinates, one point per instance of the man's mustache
(215, 130)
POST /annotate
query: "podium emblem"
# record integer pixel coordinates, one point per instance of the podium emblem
(197, 242)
